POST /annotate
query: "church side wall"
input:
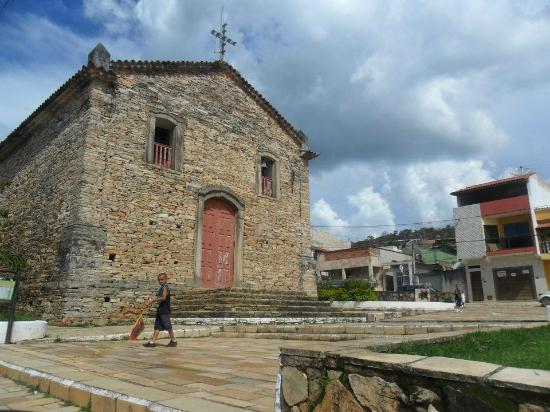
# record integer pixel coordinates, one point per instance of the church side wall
(39, 206)
(149, 214)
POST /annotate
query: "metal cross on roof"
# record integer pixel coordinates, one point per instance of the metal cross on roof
(223, 38)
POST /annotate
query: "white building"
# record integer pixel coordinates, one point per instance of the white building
(503, 237)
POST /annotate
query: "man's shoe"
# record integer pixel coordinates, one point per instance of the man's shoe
(149, 345)
(172, 344)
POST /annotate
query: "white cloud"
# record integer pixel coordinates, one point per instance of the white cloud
(396, 196)
(324, 213)
(401, 100)
(371, 209)
(426, 187)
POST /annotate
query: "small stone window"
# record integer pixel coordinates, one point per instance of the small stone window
(268, 184)
(164, 143)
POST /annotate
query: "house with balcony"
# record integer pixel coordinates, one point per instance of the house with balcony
(503, 237)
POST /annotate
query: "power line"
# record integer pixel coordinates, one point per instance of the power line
(413, 223)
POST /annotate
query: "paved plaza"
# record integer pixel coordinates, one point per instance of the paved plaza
(512, 311)
(207, 373)
(201, 374)
(17, 397)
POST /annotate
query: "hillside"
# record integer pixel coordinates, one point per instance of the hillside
(444, 237)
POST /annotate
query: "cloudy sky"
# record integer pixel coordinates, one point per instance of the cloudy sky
(405, 100)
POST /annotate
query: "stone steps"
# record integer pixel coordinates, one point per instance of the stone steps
(243, 303)
(333, 333)
(257, 308)
(292, 336)
(230, 300)
(236, 292)
(290, 313)
(227, 320)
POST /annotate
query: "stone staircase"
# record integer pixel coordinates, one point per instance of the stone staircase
(263, 306)
(347, 332)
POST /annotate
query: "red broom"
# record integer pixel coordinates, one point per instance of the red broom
(139, 326)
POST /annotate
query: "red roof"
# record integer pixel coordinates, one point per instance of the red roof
(494, 183)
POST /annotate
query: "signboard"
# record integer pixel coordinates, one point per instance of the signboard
(8, 293)
(6, 290)
(501, 273)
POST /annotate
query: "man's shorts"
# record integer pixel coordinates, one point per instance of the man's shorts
(162, 322)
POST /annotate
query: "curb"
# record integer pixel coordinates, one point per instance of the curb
(180, 333)
(82, 395)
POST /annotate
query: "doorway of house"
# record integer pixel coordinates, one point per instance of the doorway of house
(477, 286)
(218, 244)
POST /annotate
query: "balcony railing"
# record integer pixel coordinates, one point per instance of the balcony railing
(162, 155)
(511, 242)
(267, 186)
(545, 246)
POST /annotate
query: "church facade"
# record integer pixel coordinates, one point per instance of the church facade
(132, 169)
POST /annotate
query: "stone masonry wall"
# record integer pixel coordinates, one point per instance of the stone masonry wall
(367, 381)
(99, 223)
(149, 214)
(42, 199)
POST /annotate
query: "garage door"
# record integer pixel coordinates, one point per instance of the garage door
(514, 283)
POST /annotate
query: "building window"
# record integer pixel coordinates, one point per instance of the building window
(162, 150)
(268, 175)
(164, 146)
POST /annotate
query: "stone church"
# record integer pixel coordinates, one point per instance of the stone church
(133, 168)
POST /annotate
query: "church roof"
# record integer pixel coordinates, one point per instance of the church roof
(92, 71)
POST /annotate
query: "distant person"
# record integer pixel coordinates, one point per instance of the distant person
(458, 298)
(462, 298)
(162, 320)
(424, 293)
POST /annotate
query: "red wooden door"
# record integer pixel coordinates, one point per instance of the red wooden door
(218, 244)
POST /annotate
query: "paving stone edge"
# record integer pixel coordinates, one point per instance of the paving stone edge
(180, 333)
(6, 368)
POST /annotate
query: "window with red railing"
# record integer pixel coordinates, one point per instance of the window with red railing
(162, 146)
(267, 177)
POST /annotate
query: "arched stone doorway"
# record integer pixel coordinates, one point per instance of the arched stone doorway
(218, 242)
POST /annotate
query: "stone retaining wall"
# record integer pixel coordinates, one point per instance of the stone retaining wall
(367, 381)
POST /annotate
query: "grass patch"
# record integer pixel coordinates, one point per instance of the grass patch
(520, 348)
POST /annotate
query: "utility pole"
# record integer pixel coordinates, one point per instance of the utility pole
(414, 260)
(222, 37)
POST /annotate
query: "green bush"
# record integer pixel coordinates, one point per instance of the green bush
(12, 260)
(352, 289)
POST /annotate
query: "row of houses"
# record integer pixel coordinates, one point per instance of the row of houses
(502, 231)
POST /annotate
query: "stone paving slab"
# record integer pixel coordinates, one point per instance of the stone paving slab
(383, 358)
(452, 369)
(14, 396)
(532, 379)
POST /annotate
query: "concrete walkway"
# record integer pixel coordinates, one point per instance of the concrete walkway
(201, 374)
(516, 311)
(20, 398)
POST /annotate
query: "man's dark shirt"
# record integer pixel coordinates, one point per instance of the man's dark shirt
(164, 307)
